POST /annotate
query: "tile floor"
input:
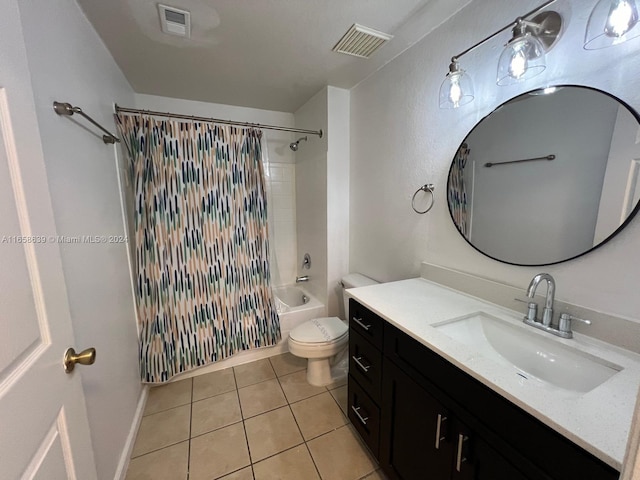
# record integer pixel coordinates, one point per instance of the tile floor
(258, 421)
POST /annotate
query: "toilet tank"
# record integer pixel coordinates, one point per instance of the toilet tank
(353, 280)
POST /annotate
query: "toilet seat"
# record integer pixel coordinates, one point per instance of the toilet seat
(320, 332)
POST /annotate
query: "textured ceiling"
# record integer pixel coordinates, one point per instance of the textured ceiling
(269, 54)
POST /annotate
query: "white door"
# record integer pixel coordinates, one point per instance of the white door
(44, 433)
(621, 185)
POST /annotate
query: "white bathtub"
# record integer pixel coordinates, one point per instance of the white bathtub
(295, 306)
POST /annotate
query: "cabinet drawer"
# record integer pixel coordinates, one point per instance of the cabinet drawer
(366, 323)
(364, 415)
(365, 364)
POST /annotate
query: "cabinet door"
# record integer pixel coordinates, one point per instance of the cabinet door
(415, 440)
(474, 459)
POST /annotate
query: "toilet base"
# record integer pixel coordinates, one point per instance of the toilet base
(325, 371)
(319, 372)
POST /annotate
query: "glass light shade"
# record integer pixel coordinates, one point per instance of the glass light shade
(612, 22)
(522, 58)
(456, 90)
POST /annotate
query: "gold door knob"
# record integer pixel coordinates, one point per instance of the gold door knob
(85, 357)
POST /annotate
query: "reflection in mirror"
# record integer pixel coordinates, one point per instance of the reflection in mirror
(547, 177)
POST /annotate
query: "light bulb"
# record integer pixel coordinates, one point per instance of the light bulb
(622, 17)
(456, 89)
(455, 92)
(522, 58)
(518, 64)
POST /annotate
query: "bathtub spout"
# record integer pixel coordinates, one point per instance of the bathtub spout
(304, 278)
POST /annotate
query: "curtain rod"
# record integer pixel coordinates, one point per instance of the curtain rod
(218, 120)
(66, 109)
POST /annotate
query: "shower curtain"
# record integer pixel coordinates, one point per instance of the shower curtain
(202, 281)
(458, 191)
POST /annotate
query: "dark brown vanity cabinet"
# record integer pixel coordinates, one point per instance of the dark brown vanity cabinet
(421, 438)
(424, 418)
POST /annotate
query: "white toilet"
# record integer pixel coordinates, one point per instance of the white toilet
(324, 341)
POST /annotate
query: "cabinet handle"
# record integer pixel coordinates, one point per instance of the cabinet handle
(439, 436)
(359, 322)
(358, 360)
(357, 412)
(459, 458)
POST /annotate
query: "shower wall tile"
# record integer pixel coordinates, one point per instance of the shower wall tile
(283, 230)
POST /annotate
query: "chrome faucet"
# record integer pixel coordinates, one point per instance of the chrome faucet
(304, 278)
(547, 314)
(564, 323)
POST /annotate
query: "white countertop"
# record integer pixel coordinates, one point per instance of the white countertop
(599, 420)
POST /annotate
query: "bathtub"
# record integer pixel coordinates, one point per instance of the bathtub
(295, 306)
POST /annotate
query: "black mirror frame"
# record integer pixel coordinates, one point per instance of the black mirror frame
(622, 226)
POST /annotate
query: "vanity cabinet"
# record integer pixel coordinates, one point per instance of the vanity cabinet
(422, 438)
(424, 418)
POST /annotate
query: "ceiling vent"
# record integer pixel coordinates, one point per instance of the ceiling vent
(175, 21)
(361, 41)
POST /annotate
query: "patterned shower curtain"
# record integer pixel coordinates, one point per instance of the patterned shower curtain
(202, 269)
(458, 191)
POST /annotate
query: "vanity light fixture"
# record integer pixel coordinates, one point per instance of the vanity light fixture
(457, 88)
(522, 58)
(612, 22)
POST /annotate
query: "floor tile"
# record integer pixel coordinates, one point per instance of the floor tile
(215, 383)
(340, 394)
(287, 363)
(215, 412)
(377, 475)
(318, 415)
(271, 433)
(162, 429)
(244, 474)
(337, 383)
(170, 463)
(218, 453)
(168, 396)
(339, 455)
(261, 397)
(294, 464)
(296, 388)
(253, 372)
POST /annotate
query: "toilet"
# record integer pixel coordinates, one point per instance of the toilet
(324, 341)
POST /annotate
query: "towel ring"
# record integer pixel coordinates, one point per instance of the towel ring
(425, 188)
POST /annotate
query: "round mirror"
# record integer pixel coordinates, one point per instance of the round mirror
(547, 176)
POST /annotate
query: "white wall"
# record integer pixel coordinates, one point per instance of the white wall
(69, 63)
(337, 196)
(311, 193)
(283, 232)
(322, 184)
(400, 140)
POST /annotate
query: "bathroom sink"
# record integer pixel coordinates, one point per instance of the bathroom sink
(535, 358)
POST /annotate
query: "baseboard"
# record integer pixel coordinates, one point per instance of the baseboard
(123, 464)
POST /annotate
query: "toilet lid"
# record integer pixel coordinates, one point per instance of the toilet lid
(319, 330)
